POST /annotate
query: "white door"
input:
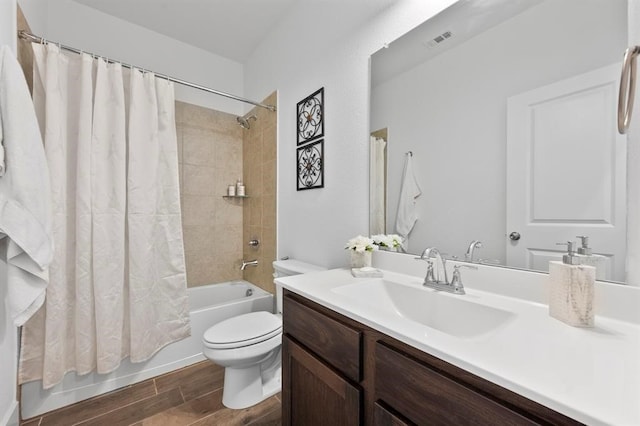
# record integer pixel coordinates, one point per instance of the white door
(566, 171)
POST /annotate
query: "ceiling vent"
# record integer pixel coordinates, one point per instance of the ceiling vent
(439, 39)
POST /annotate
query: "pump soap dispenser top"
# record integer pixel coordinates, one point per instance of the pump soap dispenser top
(571, 289)
(570, 258)
(584, 249)
(586, 256)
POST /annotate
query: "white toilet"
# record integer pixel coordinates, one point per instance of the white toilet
(248, 346)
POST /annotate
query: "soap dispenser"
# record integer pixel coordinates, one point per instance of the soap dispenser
(571, 289)
(587, 257)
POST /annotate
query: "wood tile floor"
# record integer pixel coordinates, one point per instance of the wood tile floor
(189, 396)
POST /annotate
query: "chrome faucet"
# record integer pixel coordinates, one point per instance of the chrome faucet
(475, 244)
(248, 263)
(455, 286)
(426, 256)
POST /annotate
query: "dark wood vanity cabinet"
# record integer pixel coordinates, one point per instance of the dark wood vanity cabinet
(321, 368)
(337, 371)
(313, 393)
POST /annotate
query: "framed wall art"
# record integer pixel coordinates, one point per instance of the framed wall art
(310, 159)
(310, 118)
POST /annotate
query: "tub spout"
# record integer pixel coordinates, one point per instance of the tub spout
(248, 263)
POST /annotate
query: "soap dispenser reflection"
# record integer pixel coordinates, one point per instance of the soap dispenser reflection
(571, 289)
(586, 257)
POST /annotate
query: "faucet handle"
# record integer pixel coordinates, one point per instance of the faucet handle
(456, 272)
(456, 279)
(430, 277)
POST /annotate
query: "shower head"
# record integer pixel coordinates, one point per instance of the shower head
(244, 121)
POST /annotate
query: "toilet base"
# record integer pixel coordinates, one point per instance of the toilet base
(244, 387)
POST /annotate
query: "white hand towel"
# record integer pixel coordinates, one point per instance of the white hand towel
(409, 192)
(1, 153)
(25, 197)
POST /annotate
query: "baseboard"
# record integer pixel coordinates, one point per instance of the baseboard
(10, 417)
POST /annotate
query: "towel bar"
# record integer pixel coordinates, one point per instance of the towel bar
(627, 81)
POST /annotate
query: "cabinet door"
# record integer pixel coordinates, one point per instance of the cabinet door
(313, 394)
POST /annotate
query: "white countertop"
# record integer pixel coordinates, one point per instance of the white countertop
(591, 375)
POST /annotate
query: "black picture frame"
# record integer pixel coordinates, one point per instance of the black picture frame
(310, 166)
(310, 117)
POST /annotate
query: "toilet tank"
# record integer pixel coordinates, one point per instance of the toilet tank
(288, 267)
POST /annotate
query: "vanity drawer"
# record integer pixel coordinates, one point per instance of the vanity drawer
(428, 397)
(338, 344)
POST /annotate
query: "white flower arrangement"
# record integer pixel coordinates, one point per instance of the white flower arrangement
(389, 241)
(361, 244)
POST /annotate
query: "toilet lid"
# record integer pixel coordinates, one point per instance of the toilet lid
(243, 330)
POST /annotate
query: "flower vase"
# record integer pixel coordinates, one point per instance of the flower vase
(360, 259)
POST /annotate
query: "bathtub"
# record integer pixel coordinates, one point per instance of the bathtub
(208, 305)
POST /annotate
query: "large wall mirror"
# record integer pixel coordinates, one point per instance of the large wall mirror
(508, 109)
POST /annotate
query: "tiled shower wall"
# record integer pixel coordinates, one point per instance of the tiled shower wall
(259, 171)
(210, 157)
(214, 152)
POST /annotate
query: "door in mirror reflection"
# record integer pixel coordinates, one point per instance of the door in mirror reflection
(566, 171)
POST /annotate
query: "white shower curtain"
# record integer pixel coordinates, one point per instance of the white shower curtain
(117, 281)
(377, 186)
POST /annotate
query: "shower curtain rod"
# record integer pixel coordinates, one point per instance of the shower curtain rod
(35, 39)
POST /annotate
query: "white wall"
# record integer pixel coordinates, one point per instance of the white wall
(8, 333)
(451, 113)
(296, 59)
(85, 28)
(36, 12)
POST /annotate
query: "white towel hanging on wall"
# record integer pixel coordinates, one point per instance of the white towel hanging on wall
(25, 206)
(409, 192)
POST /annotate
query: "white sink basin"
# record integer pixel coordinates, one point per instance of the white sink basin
(448, 313)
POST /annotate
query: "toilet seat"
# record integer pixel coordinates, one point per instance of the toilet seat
(243, 330)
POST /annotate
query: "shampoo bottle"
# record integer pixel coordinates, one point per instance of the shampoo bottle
(571, 289)
(240, 188)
